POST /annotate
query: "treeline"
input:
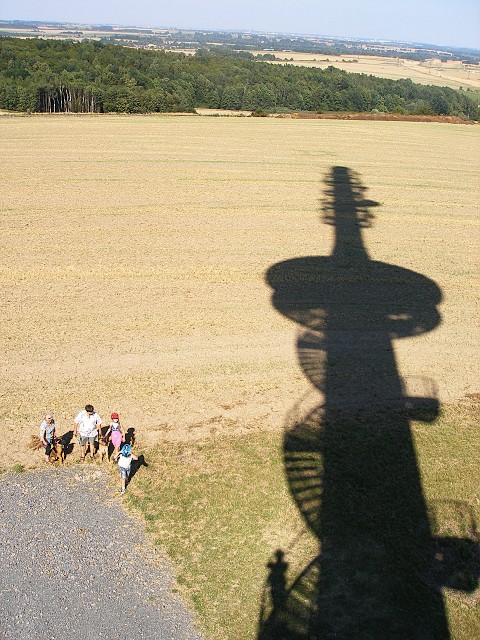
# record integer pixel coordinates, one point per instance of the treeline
(59, 76)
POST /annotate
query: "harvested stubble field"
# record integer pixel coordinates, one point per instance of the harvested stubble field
(452, 74)
(134, 260)
(134, 251)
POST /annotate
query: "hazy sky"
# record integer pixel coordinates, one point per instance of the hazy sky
(447, 22)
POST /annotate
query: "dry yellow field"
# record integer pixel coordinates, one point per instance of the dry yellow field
(134, 252)
(432, 72)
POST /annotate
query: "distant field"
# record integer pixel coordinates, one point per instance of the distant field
(442, 74)
(134, 253)
(429, 72)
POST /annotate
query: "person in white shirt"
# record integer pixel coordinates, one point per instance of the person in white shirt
(124, 458)
(86, 425)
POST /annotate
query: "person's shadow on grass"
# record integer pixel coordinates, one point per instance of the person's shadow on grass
(130, 436)
(136, 465)
(67, 443)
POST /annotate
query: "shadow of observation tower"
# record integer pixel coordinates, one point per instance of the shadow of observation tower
(349, 457)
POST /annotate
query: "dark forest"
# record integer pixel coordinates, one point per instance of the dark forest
(59, 76)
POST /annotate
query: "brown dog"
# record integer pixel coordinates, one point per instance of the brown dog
(103, 447)
(56, 451)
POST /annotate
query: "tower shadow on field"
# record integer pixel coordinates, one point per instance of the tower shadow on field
(349, 457)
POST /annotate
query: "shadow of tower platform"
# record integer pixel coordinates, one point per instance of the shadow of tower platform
(349, 456)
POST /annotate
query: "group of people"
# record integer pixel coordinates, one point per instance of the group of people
(87, 426)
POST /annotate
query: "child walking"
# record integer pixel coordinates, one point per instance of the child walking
(116, 434)
(124, 458)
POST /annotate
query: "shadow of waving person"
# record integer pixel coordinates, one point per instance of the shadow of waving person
(348, 451)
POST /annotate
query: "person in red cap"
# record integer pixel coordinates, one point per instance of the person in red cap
(116, 433)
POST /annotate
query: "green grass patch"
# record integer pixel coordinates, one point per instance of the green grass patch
(222, 507)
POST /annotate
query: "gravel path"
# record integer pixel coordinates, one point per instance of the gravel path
(71, 565)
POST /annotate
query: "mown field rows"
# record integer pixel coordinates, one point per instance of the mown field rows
(134, 260)
(134, 254)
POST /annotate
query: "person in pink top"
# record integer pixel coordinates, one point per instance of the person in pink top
(116, 433)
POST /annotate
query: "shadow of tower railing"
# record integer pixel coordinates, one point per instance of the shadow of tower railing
(349, 456)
